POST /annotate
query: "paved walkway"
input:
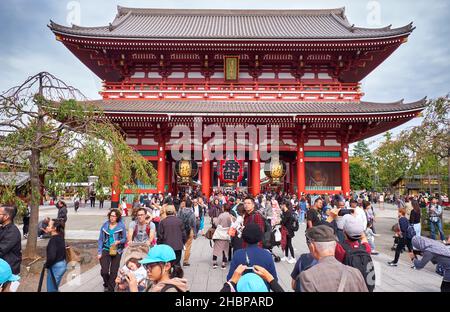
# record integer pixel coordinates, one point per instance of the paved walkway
(203, 278)
(85, 224)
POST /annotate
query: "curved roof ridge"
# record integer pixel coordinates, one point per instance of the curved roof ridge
(343, 21)
(166, 11)
(54, 25)
(119, 20)
(405, 28)
(421, 101)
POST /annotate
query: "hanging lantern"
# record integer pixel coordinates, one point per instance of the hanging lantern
(185, 171)
(231, 170)
(275, 170)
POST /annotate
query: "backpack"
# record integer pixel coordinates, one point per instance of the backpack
(267, 235)
(410, 232)
(360, 259)
(185, 218)
(295, 224)
(136, 229)
(306, 261)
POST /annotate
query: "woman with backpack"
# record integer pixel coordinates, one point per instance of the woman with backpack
(437, 253)
(403, 239)
(162, 272)
(221, 237)
(287, 232)
(111, 242)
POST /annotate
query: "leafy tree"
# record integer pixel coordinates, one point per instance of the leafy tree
(428, 144)
(44, 120)
(360, 175)
(362, 151)
(392, 161)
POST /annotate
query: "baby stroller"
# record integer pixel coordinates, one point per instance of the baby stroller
(134, 250)
(275, 241)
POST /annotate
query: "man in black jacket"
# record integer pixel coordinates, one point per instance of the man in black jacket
(10, 239)
(171, 232)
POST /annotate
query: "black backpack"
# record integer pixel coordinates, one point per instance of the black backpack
(360, 259)
(185, 218)
(295, 224)
(267, 235)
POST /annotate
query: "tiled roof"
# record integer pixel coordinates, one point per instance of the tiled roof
(253, 108)
(14, 178)
(230, 24)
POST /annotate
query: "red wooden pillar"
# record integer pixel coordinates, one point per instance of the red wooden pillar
(300, 169)
(115, 189)
(291, 178)
(200, 174)
(345, 170)
(206, 173)
(170, 176)
(161, 166)
(256, 187)
(249, 177)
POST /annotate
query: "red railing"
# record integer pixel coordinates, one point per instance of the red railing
(234, 91)
(298, 87)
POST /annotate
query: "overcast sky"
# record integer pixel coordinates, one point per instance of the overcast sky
(418, 68)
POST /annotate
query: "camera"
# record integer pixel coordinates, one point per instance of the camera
(344, 212)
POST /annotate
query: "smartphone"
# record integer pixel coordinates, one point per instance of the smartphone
(344, 212)
(248, 269)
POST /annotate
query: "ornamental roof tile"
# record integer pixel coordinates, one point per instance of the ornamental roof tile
(252, 108)
(135, 23)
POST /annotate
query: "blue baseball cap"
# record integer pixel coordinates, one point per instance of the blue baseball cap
(159, 253)
(6, 273)
(251, 282)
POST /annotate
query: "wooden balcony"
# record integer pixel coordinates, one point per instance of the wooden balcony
(235, 91)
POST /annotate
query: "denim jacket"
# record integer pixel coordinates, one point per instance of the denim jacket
(120, 234)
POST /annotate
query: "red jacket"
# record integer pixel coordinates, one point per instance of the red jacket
(254, 217)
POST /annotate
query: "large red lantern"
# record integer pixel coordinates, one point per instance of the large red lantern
(231, 170)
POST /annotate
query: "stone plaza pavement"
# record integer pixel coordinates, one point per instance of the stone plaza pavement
(203, 278)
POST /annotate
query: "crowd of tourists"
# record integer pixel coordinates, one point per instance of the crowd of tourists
(144, 246)
(340, 234)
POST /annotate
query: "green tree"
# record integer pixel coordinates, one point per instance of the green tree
(362, 151)
(44, 120)
(360, 175)
(428, 144)
(392, 161)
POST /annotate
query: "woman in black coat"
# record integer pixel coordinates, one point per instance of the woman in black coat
(287, 220)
